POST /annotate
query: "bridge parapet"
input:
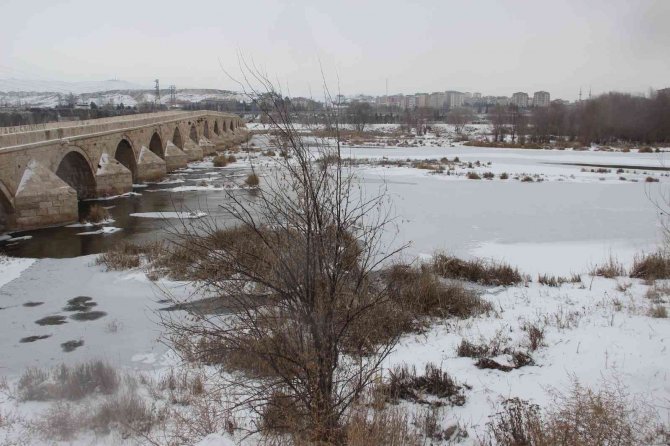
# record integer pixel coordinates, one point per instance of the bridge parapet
(16, 136)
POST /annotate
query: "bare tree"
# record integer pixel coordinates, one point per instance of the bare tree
(360, 114)
(297, 273)
(458, 117)
(499, 120)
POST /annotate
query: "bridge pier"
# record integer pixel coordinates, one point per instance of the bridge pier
(43, 199)
(150, 167)
(192, 150)
(175, 158)
(112, 177)
(208, 148)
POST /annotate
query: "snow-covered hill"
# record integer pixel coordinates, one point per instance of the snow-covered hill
(28, 85)
(31, 93)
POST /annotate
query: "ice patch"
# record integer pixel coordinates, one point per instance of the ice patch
(164, 215)
(127, 194)
(103, 230)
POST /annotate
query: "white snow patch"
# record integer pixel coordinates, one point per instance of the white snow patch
(11, 268)
(103, 230)
(163, 215)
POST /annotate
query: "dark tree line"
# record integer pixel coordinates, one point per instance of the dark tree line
(605, 119)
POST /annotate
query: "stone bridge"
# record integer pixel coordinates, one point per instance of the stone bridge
(45, 170)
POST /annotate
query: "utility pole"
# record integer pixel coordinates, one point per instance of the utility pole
(157, 98)
(173, 95)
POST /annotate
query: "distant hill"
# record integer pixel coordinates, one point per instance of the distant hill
(26, 85)
(31, 93)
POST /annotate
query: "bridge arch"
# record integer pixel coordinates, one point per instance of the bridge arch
(6, 208)
(216, 127)
(75, 169)
(156, 145)
(126, 155)
(193, 133)
(205, 129)
(176, 138)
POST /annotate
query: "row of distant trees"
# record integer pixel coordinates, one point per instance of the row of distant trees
(605, 119)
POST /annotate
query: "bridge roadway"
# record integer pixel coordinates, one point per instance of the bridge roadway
(46, 169)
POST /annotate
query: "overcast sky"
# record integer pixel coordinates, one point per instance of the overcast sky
(495, 47)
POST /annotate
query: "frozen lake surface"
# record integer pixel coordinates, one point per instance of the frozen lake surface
(563, 224)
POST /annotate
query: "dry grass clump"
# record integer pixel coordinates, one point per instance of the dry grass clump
(370, 426)
(478, 271)
(535, 335)
(96, 214)
(651, 267)
(504, 176)
(231, 159)
(125, 412)
(527, 179)
(495, 346)
(405, 384)
(581, 417)
(658, 311)
(473, 176)
(553, 281)
(127, 255)
(610, 269)
(69, 383)
(220, 161)
(420, 291)
(252, 180)
(488, 175)
(651, 180)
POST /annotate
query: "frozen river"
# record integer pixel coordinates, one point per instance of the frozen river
(570, 220)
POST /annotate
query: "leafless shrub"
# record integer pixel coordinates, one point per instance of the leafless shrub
(296, 302)
(504, 176)
(473, 176)
(231, 159)
(651, 267)
(479, 271)
(527, 179)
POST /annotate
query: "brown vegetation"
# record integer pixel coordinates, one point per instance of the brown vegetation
(477, 270)
(651, 266)
(581, 417)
